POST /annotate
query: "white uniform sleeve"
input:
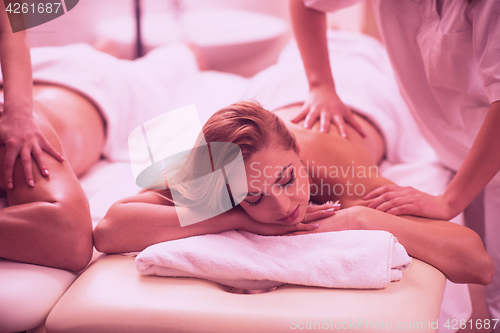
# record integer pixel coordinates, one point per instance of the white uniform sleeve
(486, 43)
(329, 5)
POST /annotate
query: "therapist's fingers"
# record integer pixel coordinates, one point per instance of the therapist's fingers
(27, 166)
(301, 115)
(395, 201)
(40, 160)
(384, 198)
(407, 209)
(9, 162)
(325, 120)
(45, 145)
(379, 191)
(338, 120)
(311, 117)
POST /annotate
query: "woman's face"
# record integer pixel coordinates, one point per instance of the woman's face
(278, 187)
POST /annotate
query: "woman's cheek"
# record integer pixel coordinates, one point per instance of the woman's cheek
(257, 213)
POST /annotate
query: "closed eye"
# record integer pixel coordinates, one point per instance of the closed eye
(252, 204)
(292, 179)
(288, 183)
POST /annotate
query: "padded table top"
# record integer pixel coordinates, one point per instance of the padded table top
(110, 296)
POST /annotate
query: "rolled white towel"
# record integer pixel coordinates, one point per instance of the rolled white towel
(358, 259)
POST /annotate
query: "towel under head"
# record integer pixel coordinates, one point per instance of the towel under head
(346, 259)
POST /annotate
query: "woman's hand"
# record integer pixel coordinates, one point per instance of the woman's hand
(397, 200)
(318, 212)
(313, 213)
(324, 104)
(352, 218)
(22, 136)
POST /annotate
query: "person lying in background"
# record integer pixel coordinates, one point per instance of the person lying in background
(50, 224)
(19, 131)
(277, 200)
(86, 103)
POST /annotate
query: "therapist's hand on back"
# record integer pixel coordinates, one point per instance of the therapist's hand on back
(397, 200)
(324, 105)
(22, 137)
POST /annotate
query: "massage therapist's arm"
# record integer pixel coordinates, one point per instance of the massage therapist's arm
(18, 130)
(455, 250)
(48, 224)
(309, 27)
(134, 223)
(480, 166)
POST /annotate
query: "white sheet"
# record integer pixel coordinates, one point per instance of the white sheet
(130, 92)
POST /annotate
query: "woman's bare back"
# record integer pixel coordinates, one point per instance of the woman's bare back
(345, 169)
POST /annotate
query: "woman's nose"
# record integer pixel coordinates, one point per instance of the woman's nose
(281, 203)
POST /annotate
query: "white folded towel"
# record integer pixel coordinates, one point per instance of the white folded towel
(358, 259)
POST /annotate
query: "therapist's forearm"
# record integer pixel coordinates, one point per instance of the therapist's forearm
(17, 74)
(480, 165)
(309, 27)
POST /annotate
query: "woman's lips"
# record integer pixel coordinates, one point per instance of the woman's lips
(290, 217)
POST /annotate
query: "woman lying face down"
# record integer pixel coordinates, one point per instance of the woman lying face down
(286, 167)
(50, 224)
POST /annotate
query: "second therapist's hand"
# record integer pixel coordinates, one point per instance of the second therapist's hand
(397, 200)
(324, 105)
(22, 137)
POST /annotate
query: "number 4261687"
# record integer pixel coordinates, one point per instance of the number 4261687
(472, 324)
(18, 8)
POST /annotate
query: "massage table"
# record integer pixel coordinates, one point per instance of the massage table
(110, 296)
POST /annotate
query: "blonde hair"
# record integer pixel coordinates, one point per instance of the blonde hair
(245, 125)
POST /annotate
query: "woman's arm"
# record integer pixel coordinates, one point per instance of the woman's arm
(455, 250)
(18, 130)
(309, 27)
(134, 223)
